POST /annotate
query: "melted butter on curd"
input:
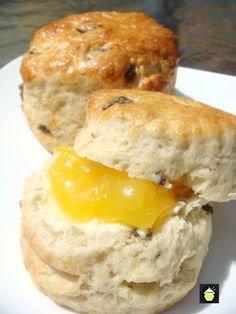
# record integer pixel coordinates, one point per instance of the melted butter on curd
(85, 190)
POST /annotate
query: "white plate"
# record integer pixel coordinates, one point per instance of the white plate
(21, 154)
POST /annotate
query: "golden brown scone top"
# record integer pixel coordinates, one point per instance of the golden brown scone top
(160, 113)
(110, 45)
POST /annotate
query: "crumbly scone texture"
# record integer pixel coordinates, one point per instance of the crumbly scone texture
(74, 56)
(109, 268)
(152, 135)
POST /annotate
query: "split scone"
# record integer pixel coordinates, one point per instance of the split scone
(120, 223)
(72, 57)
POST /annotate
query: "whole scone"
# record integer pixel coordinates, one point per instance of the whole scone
(103, 267)
(72, 57)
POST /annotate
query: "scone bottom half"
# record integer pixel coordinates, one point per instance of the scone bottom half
(70, 58)
(121, 221)
(96, 240)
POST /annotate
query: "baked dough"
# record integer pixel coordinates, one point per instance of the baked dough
(110, 268)
(72, 57)
(152, 135)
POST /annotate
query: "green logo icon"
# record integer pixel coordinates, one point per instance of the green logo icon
(209, 294)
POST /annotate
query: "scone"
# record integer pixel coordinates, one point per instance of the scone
(72, 57)
(120, 223)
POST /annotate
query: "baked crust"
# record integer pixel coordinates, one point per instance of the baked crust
(72, 57)
(147, 133)
(177, 116)
(110, 46)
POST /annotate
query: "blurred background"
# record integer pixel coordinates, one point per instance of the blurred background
(206, 29)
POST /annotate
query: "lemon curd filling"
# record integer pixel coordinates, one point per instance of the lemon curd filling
(85, 190)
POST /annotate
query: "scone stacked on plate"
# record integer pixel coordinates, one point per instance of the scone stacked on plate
(72, 57)
(121, 223)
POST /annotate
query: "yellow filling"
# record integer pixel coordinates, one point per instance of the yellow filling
(85, 190)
